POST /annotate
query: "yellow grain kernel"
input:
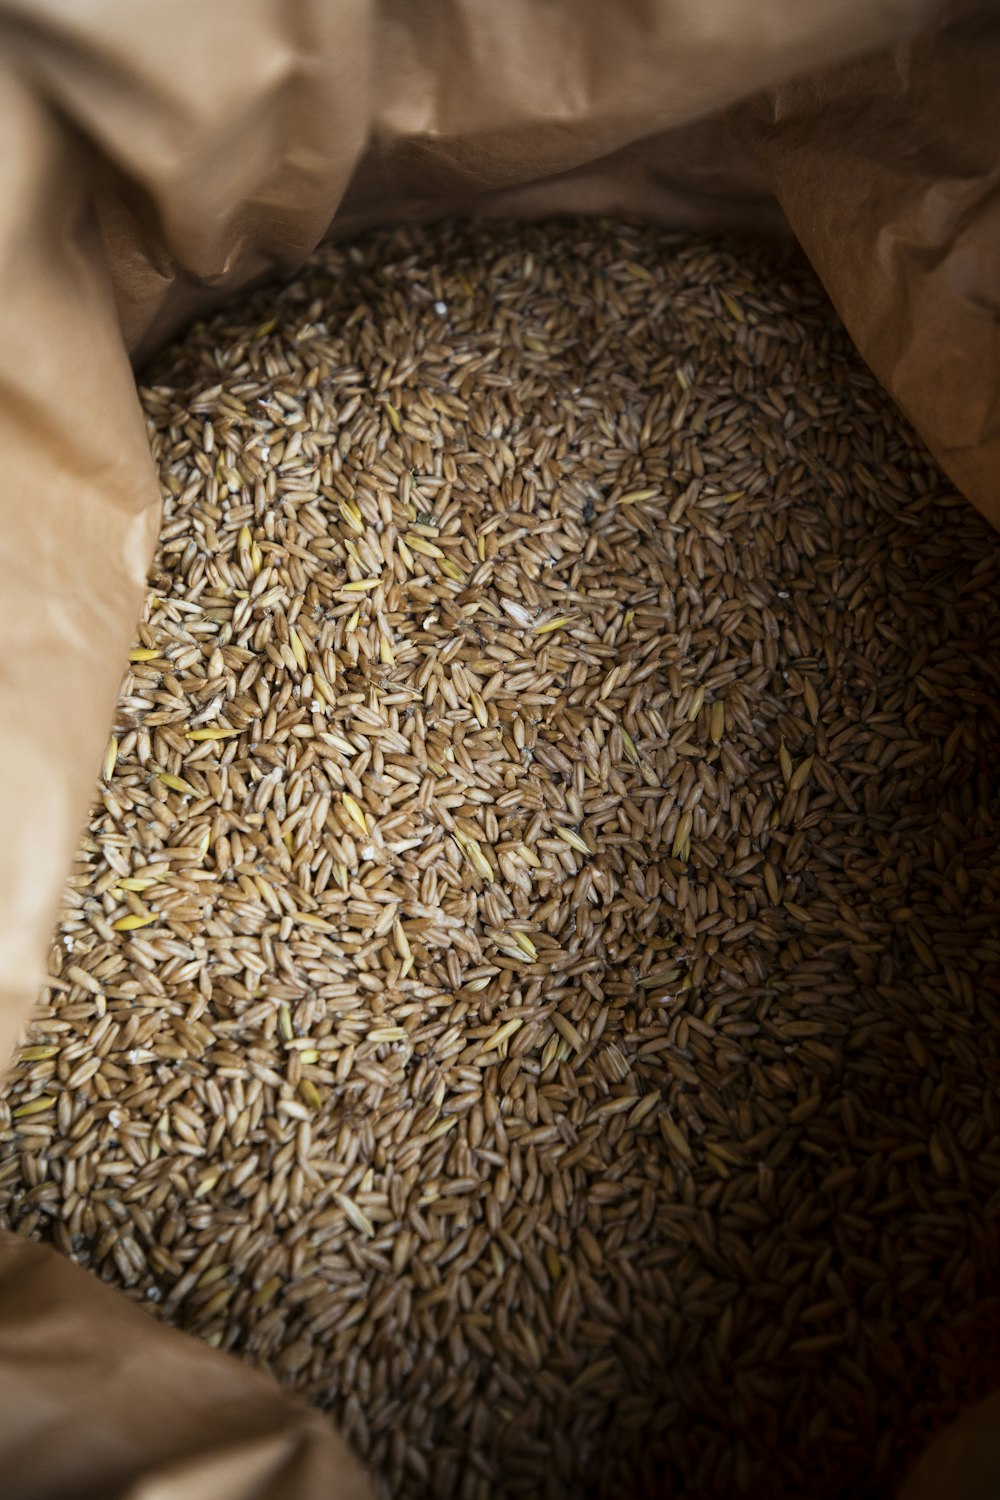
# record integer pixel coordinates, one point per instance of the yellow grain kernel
(144, 653)
(267, 1293)
(354, 812)
(310, 1093)
(132, 921)
(628, 744)
(574, 840)
(217, 1303)
(502, 1034)
(393, 415)
(732, 307)
(110, 759)
(324, 690)
(211, 1276)
(800, 775)
(640, 273)
(682, 837)
(352, 516)
(421, 544)
(556, 624)
(634, 496)
(298, 650)
(360, 585)
(175, 783)
(34, 1107)
(206, 1182)
(525, 944)
(479, 861)
(717, 1164)
(212, 733)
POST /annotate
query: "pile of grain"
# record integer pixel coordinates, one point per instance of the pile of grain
(532, 973)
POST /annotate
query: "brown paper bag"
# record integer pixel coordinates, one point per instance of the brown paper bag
(161, 154)
(99, 1402)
